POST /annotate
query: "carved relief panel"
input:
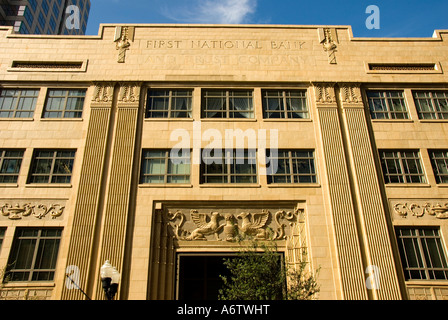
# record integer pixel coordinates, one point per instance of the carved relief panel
(104, 92)
(230, 224)
(32, 209)
(420, 209)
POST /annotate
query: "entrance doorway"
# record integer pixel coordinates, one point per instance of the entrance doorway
(199, 276)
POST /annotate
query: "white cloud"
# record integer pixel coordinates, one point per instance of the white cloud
(213, 11)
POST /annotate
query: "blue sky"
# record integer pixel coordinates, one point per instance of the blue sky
(398, 18)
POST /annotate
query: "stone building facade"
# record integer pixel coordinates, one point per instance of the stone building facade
(332, 146)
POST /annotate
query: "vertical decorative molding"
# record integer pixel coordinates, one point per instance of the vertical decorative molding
(297, 242)
(378, 245)
(87, 201)
(123, 36)
(340, 195)
(329, 39)
(162, 260)
(116, 210)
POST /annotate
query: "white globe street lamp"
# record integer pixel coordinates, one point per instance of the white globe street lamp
(110, 277)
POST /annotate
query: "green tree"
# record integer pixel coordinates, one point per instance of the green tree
(258, 272)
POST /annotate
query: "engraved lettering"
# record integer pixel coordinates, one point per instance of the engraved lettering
(225, 44)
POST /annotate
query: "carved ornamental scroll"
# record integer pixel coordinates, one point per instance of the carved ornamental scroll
(38, 210)
(419, 209)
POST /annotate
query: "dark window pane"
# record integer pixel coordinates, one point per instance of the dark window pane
(422, 253)
(52, 166)
(64, 104)
(387, 105)
(18, 103)
(169, 104)
(295, 166)
(158, 167)
(34, 254)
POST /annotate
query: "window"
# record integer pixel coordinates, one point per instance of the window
(23, 29)
(387, 105)
(33, 255)
(10, 162)
(51, 166)
(422, 253)
(45, 6)
(42, 21)
(227, 104)
(52, 24)
(295, 166)
(159, 167)
(229, 166)
(285, 104)
(28, 16)
(56, 9)
(64, 104)
(169, 104)
(402, 166)
(431, 105)
(439, 161)
(33, 4)
(18, 103)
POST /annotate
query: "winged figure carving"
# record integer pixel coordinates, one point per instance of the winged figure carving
(206, 225)
(254, 223)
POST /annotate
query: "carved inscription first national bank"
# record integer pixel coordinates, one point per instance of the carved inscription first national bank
(226, 44)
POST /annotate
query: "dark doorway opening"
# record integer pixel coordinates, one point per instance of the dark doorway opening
(199, 276)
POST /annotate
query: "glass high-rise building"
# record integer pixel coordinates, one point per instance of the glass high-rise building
(68, 17)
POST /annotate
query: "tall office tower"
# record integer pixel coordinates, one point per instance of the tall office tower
(68, 17)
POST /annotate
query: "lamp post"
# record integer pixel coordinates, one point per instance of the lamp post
(109, 279)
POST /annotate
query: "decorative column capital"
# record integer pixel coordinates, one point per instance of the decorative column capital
(350, 94)
(104, 92)
(129, 92)
(324, 93)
